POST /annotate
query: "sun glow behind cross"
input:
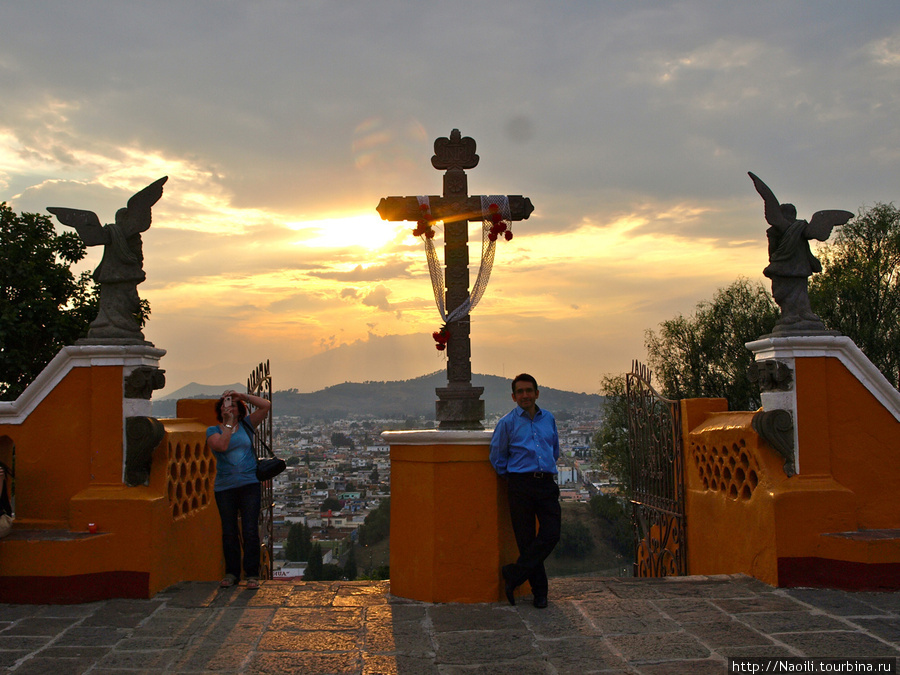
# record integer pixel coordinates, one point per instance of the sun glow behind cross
(366, 230)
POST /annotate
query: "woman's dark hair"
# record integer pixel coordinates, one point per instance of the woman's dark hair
(524, 377)
(242, 409)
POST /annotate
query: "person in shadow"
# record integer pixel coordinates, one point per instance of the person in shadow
(524, 450)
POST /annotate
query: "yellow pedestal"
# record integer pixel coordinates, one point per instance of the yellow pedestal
(450, 526)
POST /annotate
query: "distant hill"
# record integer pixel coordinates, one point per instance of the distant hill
(194, 390)
(395, 400)
(165, 407)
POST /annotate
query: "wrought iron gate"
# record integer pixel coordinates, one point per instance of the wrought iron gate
(260, 384)
(657, 482)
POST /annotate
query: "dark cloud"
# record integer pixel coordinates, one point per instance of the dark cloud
(378, 297)
(602, 112)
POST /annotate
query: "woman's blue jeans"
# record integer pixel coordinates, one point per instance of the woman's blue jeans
(241, 502)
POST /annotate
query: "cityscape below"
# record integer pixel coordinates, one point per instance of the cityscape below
(339, 469)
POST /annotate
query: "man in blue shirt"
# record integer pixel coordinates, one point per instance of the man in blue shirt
(524, 450)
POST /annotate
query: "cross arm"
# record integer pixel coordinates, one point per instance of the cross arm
(448, 210)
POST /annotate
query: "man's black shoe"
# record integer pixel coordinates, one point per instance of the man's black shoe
(508, 585)
(540, 601)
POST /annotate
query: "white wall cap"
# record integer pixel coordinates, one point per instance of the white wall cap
(437, 437)
(832, 346)
(75, 356)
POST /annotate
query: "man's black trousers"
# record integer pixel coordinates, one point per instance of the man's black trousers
(533, 498)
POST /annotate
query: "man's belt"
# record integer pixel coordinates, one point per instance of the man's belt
(540, 475)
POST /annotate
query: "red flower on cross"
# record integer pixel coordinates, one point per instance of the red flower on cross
(441, 337)
(498, 225)
(423, 225)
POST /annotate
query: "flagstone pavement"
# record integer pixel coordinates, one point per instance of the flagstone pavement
(593, 625)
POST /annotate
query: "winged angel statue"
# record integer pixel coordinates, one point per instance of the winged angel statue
(122, 266)
(791, 261)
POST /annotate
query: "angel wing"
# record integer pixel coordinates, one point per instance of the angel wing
(774, 216)
(822, 222)
(137, 214)
(86, 223)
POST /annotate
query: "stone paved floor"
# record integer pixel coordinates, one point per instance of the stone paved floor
(593, 625)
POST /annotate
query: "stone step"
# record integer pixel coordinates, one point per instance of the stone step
(48, 535)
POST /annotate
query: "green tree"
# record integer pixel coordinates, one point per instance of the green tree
(306, 543)
(704, 355)
(299, 542)
(43, 307)
(575, 540)
(330, 504)
(377, 524)
(341, 440)
(380, 572)
(331, 572)
(373, 477)
(314, 567)
(858, 290)
(611, 440)
(292, 543)
(350, 569)
(615, 523)
(293, 461)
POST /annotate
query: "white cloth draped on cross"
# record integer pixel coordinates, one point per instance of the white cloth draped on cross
(497, 221)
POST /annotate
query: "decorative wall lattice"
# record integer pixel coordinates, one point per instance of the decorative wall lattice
(731, 470)
(190, 477)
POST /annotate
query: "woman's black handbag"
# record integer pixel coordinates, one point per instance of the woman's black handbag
(266, 469)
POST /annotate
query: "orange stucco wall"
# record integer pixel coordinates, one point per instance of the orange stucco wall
(847, 433)
(69, 473)
(849, 446)
(200, 409)
(450, 527)
(73, 439)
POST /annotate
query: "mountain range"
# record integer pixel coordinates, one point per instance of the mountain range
(392, 400)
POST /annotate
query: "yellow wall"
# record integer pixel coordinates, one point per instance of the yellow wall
(851, 436)
(450, 526)
(71, 440)
(788, 531)
(69, 473)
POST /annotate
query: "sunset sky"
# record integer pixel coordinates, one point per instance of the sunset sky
(630, 125)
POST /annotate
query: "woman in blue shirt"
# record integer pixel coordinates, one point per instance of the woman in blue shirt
(237, 489)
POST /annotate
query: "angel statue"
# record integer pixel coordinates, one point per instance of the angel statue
(122, 266)
(791, 261)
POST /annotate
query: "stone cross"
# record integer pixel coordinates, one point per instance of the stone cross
(459, 404)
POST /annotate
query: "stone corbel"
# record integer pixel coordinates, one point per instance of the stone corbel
(776, 427)
(772, 375)
(143, 380)
(142, 436)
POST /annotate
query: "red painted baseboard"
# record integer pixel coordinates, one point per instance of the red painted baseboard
(74, 589)
(849, 576)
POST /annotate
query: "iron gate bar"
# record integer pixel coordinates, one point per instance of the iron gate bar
(657, 479)
(260, 384)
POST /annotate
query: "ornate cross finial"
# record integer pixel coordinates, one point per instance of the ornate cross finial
(455, 152)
